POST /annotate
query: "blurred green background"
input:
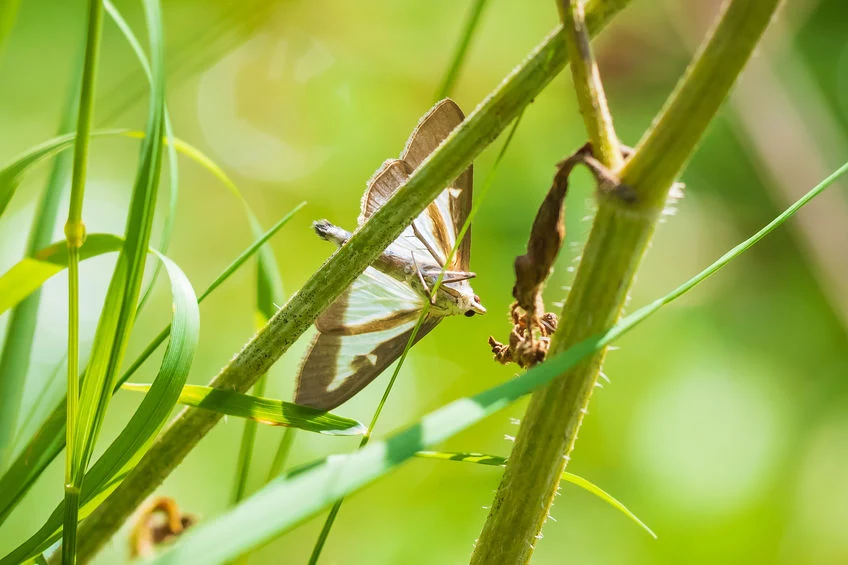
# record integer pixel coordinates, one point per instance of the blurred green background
(725, 425)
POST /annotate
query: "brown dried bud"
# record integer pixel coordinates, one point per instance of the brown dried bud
(161, 521)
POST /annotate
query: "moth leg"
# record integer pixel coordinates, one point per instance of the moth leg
(422, 281)
(439, 262)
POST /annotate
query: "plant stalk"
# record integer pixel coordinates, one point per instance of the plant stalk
(617, 242)
(480, 128)
(75, 236)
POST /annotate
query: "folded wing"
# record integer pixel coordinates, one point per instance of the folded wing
(434, 231)
(359, 336)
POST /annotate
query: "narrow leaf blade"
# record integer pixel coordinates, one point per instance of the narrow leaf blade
(263, 410)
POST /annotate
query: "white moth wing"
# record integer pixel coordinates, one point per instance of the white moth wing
(359, 335)
(373, 300)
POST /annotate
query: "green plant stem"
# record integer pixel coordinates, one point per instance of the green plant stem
(588, 86)
(293, 319)
(248, 438)
(461, 48)
(75, 236)
(282, 454)
(617, 242)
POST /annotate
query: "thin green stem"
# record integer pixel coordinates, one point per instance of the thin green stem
(588, 85)
(73, 363)
(617, 242)
(324, 286)
(69, 535)
(248, 439)
(282, 454)
(75, 236)
(461, 48)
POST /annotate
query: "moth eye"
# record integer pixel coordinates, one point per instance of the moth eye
(476, 299)
(469, 313)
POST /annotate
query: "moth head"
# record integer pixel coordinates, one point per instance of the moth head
(474, 306)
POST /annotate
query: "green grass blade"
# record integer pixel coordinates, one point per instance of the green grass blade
(17, 347)
(12, 173)
(245, 453)
(496, 461)
(148, 418)
(27, 276)
(173, 166)
(49, 440)
(461, 48)
(281, 455)
(287, 501)
(606, 497)
(264, 410)
(269, 293)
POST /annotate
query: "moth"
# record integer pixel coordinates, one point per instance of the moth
(368, 326)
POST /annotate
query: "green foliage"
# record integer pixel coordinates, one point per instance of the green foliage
(130, 467)
(263, 410)
(292, 498)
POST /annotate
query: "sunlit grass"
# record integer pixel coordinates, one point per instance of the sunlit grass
(292, 497)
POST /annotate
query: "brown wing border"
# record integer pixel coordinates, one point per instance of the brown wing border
(318, 367)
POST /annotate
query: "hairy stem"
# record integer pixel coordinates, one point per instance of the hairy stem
(480, 128)
(617, 242)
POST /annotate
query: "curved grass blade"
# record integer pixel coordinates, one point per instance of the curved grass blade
(30, 273)
(263, 410)
(496, 461)
(173, 166)
(290, 499)
(49, 441)
(145, 423)
(331, 517)
(11, 173)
